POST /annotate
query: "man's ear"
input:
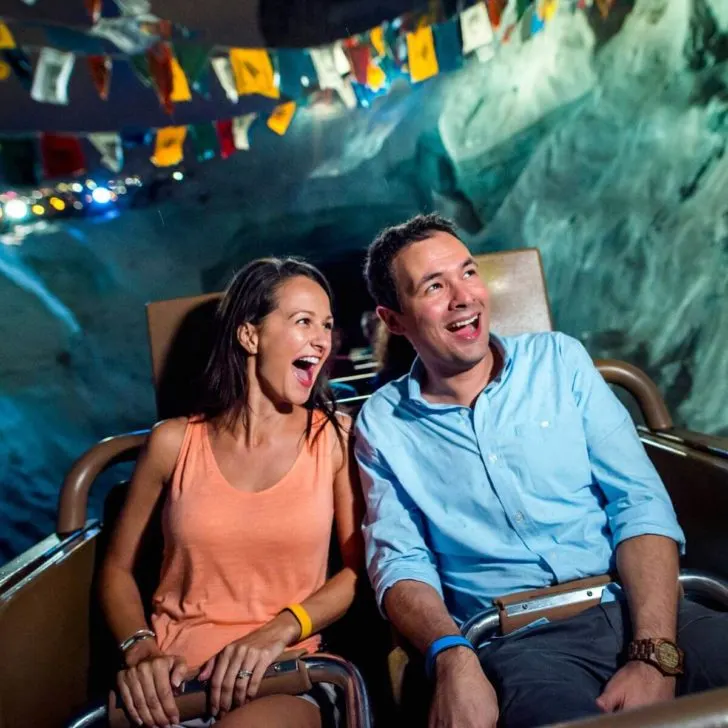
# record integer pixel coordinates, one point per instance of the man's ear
(248, 338)
(391, 319)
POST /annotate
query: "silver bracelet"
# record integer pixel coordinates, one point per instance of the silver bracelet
(138, 636)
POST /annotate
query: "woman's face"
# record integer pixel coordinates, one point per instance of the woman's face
(294, 341)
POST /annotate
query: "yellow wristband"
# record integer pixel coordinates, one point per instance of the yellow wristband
(303, 619)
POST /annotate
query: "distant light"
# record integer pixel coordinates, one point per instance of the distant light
(77, 205)
(62, 187)
(57, 203)
(101, 195)
(16, 209)
(121, 189)
(38, 209)
(37, 195)
(177, 176)
(129, 180)
(90, 184)
(77, 187)
(305, 81)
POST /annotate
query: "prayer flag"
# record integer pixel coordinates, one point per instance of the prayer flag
(421, 55)
(108, 145)
(93, 8)
(359, 56)
(376, 38)
(253, 72)
(281, 118)
(52, 74)
(376, 78)
(159, 59)
(100, 68)
(475, 27)
(180, 87)
(224, 129)
(4, 71)
(325, 65)
(241, 130)
(340, 59)
(62, 156)
(6, 37)
(447, 45)
(224, 72)
(168, 146)
(193, 61)
(204, 140)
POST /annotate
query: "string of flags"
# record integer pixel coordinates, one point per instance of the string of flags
(352, 72)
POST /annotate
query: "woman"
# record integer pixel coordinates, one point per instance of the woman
(251, 487)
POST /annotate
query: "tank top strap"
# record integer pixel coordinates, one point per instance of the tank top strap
(191, 454)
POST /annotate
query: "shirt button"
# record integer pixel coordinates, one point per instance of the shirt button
(493, 458)
(465, 414)
(545, 423)
(518, 516)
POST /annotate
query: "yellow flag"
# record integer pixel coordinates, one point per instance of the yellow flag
(168, 146)
(375, 76)
(6, 37)
(253, 72)
(4, 71)
(376, 36)
(180, 87)
(547, 9)
(421, 54)
(281, 118)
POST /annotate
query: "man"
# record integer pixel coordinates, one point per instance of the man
(500, 465)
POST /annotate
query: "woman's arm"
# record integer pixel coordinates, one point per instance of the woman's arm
(145, 684)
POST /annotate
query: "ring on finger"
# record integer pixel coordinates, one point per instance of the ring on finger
(242, 674)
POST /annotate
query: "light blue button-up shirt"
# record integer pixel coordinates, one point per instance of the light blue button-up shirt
(536, 484)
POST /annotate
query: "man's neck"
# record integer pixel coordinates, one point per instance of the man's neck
(462, 387)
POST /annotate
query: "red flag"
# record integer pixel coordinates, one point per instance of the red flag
(495, 11)
(359, 56)
(62, 156)
(93, 8)
(225, 137)
(100, 68)
(159, 58)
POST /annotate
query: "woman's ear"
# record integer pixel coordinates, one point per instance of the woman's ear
(248, 338)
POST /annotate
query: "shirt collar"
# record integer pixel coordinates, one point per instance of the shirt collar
(417, 372)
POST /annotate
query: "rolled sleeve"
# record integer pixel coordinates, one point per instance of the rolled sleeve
(394, 532)
(637, 502)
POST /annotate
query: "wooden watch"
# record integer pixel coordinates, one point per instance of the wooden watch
(663, 654)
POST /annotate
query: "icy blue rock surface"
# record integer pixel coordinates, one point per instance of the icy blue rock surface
(603, 144)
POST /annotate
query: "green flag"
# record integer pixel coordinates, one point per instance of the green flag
(204, 141)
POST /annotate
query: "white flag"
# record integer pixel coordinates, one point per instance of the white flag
(325, 65)
(347, 94)
(108, 145)
(224, 72)
(126, 33)
(134, 7)
(241, 127)
(52, 74)
(475, 27)
(341, 60)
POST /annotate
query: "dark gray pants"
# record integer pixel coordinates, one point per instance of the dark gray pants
(556, 672)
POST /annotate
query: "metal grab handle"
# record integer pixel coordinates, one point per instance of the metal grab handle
(73, 499)
(641, 387)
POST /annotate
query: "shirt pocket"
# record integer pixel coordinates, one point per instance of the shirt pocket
(552, 452)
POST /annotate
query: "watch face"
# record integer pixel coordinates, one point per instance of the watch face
(668, 656)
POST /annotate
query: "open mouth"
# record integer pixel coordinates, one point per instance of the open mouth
(465, 328)
(305, 370)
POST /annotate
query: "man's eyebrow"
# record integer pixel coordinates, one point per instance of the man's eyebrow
(436, 274)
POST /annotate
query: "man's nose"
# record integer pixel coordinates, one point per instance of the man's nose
(461, 295)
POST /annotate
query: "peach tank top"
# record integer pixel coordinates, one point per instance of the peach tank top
(234, 559)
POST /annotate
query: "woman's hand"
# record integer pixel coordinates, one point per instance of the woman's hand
(147, 684)
(252, 654)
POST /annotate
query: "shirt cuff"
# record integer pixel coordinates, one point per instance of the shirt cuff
(407, 573)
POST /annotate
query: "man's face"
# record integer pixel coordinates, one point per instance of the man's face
(444, 304)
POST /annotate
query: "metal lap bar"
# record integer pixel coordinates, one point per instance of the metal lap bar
(557, 600)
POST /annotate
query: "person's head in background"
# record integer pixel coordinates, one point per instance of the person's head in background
(274, 337)
(394, 355)
(369, 323)
(426, 286)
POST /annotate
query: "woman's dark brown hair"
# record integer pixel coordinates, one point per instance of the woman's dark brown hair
(250, 297)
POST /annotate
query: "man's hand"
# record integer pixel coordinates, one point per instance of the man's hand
(463, 694)
(634, 685)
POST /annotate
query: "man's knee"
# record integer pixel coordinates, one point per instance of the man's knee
(703, 635)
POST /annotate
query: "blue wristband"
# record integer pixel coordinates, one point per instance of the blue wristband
(440, 645)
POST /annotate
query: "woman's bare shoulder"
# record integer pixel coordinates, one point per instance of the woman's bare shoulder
(165, 442)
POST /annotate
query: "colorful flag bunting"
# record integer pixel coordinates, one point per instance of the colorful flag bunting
(74, 41)
(204, 140)
(180, 87)
(100, 68)
(448, 45)
(134, 7)
(93, 8)
(19, 162)
(159, 58)
(475, 28)
(224, 129)
(241, 130)
(108, 145)
(224, 72)
(52, 74)
(421, 55)
(253, 72)
(341, 60)
(359, 56)
(376, 78)
(296, 73)
(168, 146)
(6, 37)
(193, 59)
(4, 71)
(604, 7)
(18, 60)
(376, 38)
(281, 117)
(125, 33)
(495, 11)
(62, 156)
(325, 65)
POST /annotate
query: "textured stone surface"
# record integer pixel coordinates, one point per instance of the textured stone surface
(603, 144)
